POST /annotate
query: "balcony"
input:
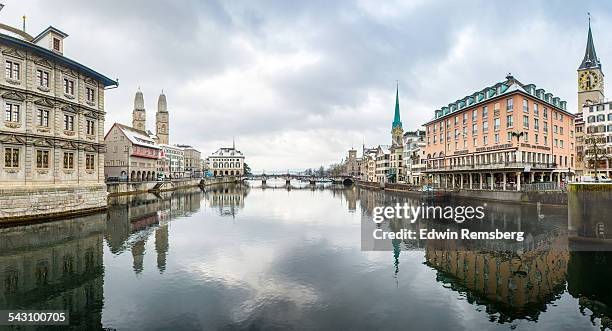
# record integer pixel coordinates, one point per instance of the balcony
(494, 166)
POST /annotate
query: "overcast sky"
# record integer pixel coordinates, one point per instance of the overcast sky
(299, 83)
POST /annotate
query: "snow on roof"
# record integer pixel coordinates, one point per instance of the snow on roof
(137, 137)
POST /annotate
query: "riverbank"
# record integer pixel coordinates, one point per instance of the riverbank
(545, 197)
(127, 188)
(32, 205)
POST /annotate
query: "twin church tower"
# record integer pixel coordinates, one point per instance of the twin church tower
(139, 117)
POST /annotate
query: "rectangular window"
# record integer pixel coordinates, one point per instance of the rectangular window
(90, 127)
(91, 95)
(525, 106)
(89, 161)
(545, 140)
(68, 122)
(555, 129)
(42, 159)
(509, 104)
(536, 112)
(465, 116)
(509, 121)
(475, 142)
(68, 160)
(485, 126)
(42, 77)
(11, 158)
(560, 130)
(526, 122)
(484, 140)
(561, 143)
(546, 127)
(536, 124)
(536, 138)
(11, 70)
(526, 137)
(561, 115)
(545, 113)
(475, 115)
(12, 112)
(497, 138)
(485, 112)
(56, 44)
(496, 124)
(68, 86)
(509, 136)
(556, 142)
(474, 128)
(456, 120)
(43, 118)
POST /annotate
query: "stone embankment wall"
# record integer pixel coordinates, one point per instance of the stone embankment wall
(123, 188)
(22, 204)
(546, 197)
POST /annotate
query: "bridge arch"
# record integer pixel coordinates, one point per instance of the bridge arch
(348, 181)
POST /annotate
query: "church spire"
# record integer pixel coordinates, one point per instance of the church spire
(590, 57)
(397, 123)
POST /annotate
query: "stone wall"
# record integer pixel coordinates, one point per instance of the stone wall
(20, 204)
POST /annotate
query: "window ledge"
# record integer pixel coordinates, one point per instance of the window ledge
(11, 170)
(43, 88)
(13, 125)
(13, 81)
(69, 133)
(69, 96)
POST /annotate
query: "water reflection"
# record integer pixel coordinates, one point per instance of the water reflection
(56, 265)
(290, 258)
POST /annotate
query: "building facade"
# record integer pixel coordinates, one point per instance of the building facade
(51, 134)
(383, 156)
(226, 161)
(597, 141)
(130, 155)
(173, 161)
(193, 161)
(501, 137)
(414, 156)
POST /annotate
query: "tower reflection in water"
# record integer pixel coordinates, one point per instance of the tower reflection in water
(55, 265)
(565, 249)
(132, 220)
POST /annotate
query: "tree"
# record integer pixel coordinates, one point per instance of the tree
(595, 150)
(247, 170)
(321, 171)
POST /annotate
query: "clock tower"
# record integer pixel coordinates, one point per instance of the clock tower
(590, 76)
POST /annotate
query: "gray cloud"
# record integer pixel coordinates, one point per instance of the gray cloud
(304, 81)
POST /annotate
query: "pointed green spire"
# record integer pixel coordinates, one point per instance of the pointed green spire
(590, 57)
(396, 118)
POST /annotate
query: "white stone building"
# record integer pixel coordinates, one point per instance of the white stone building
(414, 156)
(598, 125)
(51, 133)
(226, 161)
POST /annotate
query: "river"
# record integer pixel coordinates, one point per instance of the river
(239, 257)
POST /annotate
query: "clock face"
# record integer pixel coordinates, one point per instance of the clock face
(588, 80)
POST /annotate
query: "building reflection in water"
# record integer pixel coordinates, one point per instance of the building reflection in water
(227, 199)
(55, 265)
(518, 280)
(133, 219)
(511, 285)
(590, 265)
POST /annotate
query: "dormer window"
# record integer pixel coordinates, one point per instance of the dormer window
(56, 45)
